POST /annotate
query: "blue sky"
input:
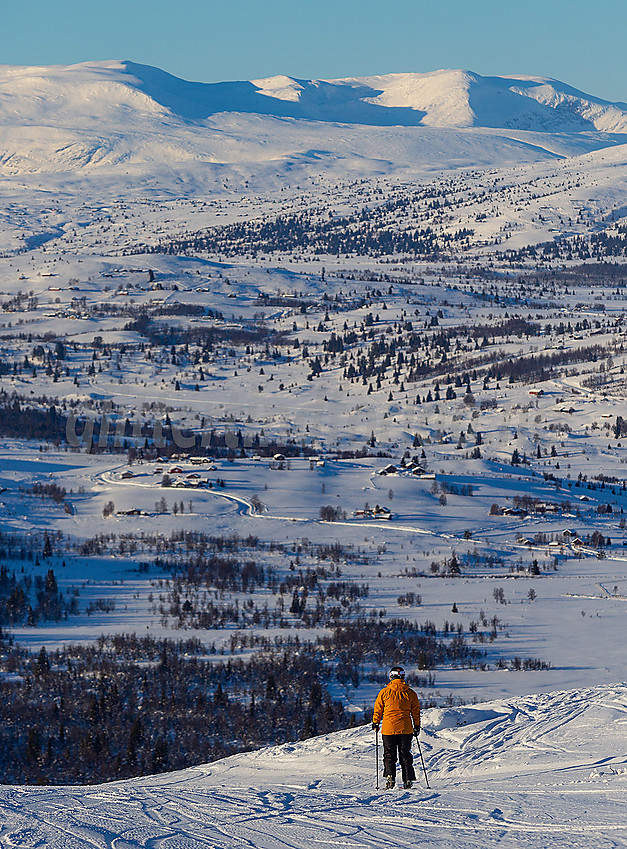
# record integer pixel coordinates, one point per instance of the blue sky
(578, 41)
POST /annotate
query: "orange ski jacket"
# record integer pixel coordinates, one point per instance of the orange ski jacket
(397, 704)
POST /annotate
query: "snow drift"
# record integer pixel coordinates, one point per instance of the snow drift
(526, 772)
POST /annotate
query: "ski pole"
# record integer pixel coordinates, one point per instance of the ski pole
(376, 734)
(424, 769)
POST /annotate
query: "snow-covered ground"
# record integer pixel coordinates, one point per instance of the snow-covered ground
(574, 621)
(538, 771)
(103, 159)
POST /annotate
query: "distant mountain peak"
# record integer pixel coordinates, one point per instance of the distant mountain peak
(280, 87)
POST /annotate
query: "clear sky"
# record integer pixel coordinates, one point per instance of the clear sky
(581, 42)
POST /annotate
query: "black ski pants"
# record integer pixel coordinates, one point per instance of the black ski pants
(398, 746)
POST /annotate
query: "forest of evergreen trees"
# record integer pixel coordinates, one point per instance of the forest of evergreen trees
(26, 600)
(611, 242)
(130, 706)
(361, 235)
(18, 421)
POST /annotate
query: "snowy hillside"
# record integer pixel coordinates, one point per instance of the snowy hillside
(538, 771)
(123, 114)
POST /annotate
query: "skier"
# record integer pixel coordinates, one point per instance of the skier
(398, 706)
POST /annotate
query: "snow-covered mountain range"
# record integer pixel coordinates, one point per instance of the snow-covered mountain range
(445, 99)
(123, 113)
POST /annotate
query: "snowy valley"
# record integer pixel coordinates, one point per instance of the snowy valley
(300, 379)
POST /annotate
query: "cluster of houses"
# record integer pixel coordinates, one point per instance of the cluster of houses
(375, 512)
(191, 479)
(185, 458)
(542, 508)
(569, 538)
(413, 467)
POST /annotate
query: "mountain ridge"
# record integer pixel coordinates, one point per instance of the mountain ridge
(444, 98)
(125, 119)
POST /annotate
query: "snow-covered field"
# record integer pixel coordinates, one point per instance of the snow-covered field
(537, 771)
(575, 620)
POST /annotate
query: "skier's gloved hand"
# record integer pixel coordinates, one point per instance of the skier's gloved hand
(375, 726)
(417, 730)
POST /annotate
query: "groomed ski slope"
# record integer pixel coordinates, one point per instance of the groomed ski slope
(538, 771)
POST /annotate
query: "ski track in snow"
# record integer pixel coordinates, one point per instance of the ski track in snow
(540, 771)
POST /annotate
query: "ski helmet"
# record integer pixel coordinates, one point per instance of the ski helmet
(397, 672)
